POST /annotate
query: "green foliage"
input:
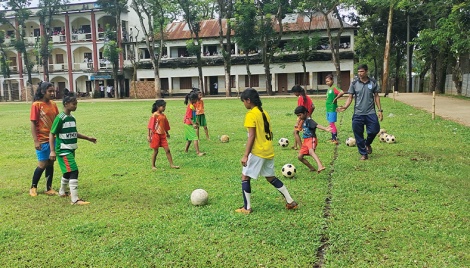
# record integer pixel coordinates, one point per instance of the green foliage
(406, 206)
(192, 48)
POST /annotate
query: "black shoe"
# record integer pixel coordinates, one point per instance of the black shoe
(369, 149)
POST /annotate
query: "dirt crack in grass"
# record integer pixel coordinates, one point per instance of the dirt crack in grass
(324, 236)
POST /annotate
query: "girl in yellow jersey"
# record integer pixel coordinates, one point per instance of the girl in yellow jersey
(259, 153)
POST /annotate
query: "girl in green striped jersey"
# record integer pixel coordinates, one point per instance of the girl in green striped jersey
(63, 137)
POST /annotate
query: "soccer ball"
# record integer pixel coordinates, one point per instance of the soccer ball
(382, 131)
(224, 138)
(199, 197)
(284, 142)
(351, 142)
(288, 170)
(383, 137)
(390, 139)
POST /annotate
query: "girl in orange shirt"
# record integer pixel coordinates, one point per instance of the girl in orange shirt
(43, 112)
(158, 132)
(200, 116)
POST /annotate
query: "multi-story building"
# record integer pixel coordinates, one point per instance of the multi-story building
(77, 60)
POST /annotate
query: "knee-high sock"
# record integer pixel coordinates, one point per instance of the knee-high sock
(334, 131)
(281, 188)
(49, 176)
(246, 191)
(63, 186)
(36, 177)
(73, 190)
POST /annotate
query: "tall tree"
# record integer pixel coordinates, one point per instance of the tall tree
(154, 15)
(112, 53)
(193, 12)
(5, 63)
(47, 9)
(330, 11)
(246, 31)
(271, 14)
(115, 9)
(21, 15)
(225, 8)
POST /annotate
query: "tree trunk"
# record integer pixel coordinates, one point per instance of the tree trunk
(422, 75)
(387, 51)
(248, 72)
(441, 67)
(432, 76)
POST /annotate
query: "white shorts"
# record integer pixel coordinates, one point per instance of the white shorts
(257, 166)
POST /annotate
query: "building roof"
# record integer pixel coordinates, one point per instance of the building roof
(179, 30)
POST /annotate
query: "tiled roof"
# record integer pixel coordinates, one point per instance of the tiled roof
(291, 23)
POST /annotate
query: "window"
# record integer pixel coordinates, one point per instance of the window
(254, 81)
(87, 55)
(144, 53)
(299, 79)
(186, 83)
(59, 58)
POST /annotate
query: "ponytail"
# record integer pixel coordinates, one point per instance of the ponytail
(41, 90)
(252, 95)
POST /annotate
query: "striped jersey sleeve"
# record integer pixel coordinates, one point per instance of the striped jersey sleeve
(65, 130)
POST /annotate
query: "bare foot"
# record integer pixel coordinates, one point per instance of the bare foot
(175, 167)
(294, 148)
(312, 170)
(154, 168)
(321, 169)
(201, 154)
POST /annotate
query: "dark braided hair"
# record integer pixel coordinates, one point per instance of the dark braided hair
(69, 97)
(299, 89)
(41, 90)
(190, 96)
(156, 104)
(252, 95)
(193, 95)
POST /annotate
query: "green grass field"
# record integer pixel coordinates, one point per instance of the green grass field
(408, 206)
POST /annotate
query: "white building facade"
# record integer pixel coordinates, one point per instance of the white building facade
(78, 64)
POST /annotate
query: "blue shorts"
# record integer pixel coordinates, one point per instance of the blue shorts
(331, 116)
(44, 153)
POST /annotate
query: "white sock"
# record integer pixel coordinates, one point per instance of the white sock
(286, 194)
(248, 199)
(73, 184)
(63, 186)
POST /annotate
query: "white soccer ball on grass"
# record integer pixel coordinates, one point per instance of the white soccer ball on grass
(199, 197)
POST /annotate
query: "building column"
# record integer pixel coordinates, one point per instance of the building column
(314, 81)
(43, 33)
(19, 60)
(236, 49)
(237, 84)
(96, 62)
(69, 51)
(168, 51)
(170, 86)
(273, 82)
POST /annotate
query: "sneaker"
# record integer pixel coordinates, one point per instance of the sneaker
(292, 205)
(80, 202)
(243, 210)
(364, 157)
(51, 192)
(369, 149)
(33, 192)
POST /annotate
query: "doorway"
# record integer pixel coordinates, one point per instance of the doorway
(282, 84)
(214, 85)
